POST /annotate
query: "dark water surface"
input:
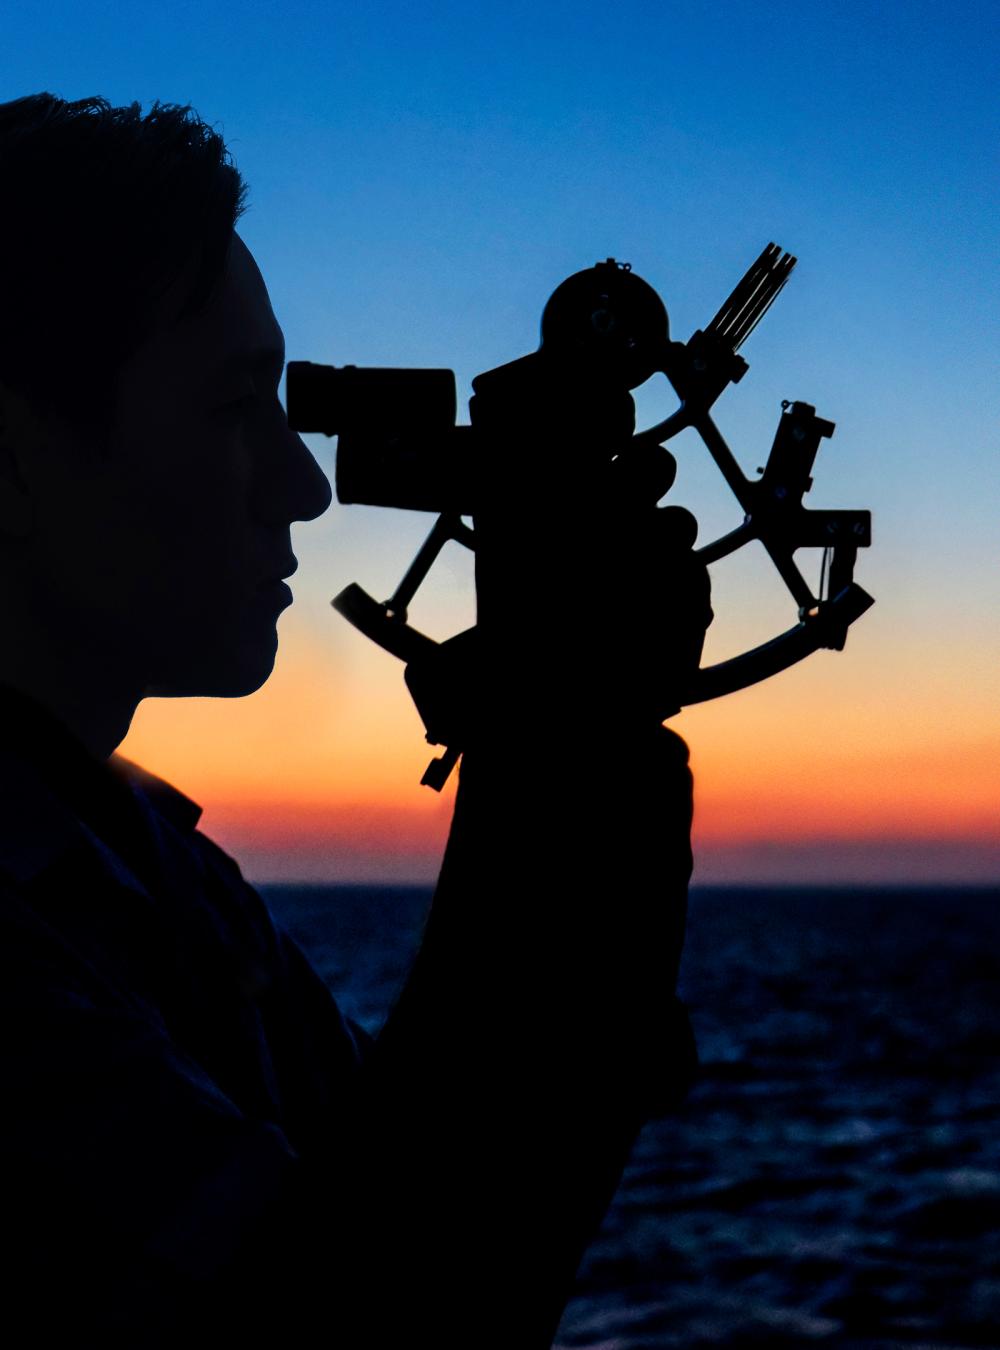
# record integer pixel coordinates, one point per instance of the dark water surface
(834, 1177)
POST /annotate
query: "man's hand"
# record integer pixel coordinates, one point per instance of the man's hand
(592, 605)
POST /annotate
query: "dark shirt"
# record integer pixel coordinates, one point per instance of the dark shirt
(169, 1055)
(199, 1145)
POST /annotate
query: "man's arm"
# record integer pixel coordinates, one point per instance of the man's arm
(510, 1081)
(539, 1023)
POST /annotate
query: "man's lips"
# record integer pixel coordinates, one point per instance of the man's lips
(278, 578)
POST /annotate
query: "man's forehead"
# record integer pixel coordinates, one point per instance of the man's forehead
(240, 324)
(236, 333)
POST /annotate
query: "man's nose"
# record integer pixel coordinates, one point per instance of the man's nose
(294, 487)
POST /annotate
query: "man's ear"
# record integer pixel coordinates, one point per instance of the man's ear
(18, 434)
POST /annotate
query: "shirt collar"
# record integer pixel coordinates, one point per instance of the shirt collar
(49, 783)
(180, 810)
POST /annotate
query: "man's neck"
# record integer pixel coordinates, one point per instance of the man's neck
(83, 675)
(99, 719)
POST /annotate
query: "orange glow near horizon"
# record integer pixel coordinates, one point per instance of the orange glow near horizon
(316, 776)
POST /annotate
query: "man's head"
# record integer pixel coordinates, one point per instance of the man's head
(148, 477)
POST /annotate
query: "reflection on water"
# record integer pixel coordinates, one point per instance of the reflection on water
(834, 1177)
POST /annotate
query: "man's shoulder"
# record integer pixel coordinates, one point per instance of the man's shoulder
(236, 908)
(182, 811)
(60, 872)
(181, 815)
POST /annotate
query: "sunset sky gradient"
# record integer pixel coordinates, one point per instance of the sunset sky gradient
(421, 178)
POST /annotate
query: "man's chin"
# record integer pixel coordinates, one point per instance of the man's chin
(230, 681)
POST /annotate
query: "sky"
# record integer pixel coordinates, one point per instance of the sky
(421, 179)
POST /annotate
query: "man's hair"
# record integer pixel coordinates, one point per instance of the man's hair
(101, 210)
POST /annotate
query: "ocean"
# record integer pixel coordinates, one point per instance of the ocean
(834, 1176)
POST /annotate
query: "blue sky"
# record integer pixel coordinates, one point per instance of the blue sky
(422, 177)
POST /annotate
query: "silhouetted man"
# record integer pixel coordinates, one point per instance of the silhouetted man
(196, 1143)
